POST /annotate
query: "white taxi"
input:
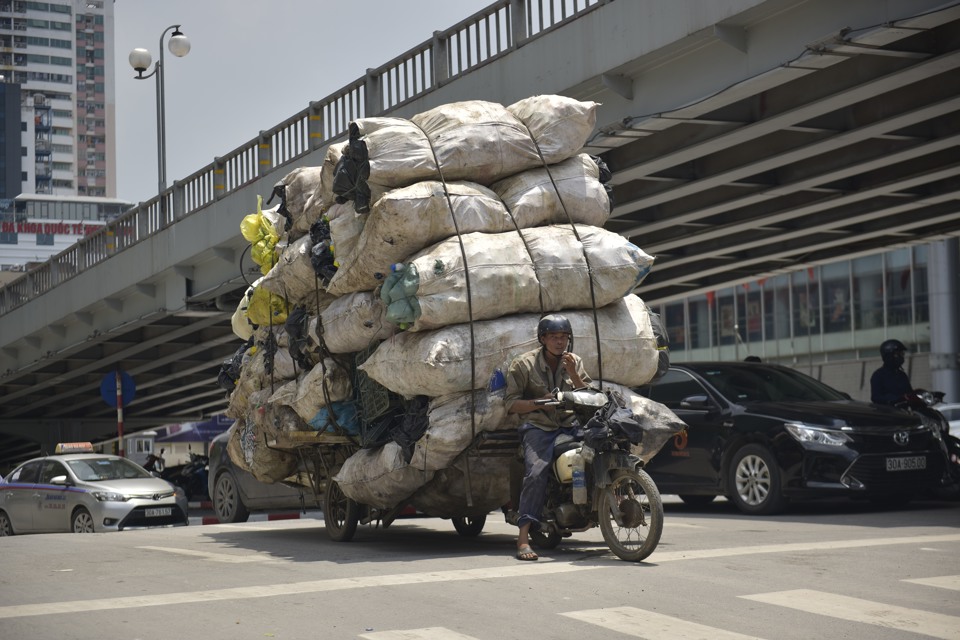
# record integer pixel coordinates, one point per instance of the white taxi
(79, 491)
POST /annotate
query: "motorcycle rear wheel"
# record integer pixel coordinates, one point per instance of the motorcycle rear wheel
(632, 497)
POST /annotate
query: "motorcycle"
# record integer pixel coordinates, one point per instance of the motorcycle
(598, 481)
(155, 463)
(191, 477)
(924, 404)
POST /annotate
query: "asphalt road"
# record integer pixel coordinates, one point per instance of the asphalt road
(823, 570)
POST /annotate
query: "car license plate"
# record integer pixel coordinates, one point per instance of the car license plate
(909, 463)
(159, 513)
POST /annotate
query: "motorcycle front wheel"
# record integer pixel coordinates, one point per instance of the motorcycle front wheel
(631, 515)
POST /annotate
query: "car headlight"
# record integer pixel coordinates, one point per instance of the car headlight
(109, 496)
(805, 434)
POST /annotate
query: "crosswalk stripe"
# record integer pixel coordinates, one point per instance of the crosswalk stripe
(216, 557)
(888, 616)
(427, 633)
(943, 582)
(638, 623)
(520, 569)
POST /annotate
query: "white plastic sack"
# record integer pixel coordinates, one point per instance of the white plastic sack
(352, 323)
(560, 193)
(475, 140)
(379, 477)
(294, 279)
(439, 362)
(532, 270)
(451, 429)
(326, 383)
(299, 186)
(446, 495)
(406, 220)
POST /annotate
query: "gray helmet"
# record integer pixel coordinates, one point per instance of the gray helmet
(891, 351)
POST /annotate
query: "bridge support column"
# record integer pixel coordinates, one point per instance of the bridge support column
(943, 274)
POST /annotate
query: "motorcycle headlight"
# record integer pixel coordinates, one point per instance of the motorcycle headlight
(109, 496)
(805, 434)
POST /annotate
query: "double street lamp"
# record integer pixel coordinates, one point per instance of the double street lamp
(140, 60)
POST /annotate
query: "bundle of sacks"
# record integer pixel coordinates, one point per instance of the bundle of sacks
(408, 270)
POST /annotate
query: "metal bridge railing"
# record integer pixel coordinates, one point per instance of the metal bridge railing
(480, 39)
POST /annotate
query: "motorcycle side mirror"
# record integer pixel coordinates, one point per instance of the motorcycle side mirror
(699, 402)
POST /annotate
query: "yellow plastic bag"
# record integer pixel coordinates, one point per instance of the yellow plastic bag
(259, 231)
(266, 308)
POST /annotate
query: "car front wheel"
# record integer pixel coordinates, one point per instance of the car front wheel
(754, 483)
(6, 528)
(226, 500)
(82, 521)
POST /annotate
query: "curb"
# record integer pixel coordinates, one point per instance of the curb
(270, 516)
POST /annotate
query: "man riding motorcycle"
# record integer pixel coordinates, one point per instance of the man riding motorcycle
(531, 376)
(890, 384)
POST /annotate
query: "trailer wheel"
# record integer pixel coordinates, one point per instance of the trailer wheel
(340, 514)
(469, 527)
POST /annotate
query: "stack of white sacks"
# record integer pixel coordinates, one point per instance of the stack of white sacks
(481, 218)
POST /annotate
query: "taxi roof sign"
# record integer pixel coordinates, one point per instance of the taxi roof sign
(74, 447)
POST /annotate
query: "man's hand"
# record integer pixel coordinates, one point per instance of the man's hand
(569, 365)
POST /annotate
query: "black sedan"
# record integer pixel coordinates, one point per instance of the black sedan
(762, 434)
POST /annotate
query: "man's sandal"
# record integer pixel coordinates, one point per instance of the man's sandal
(525, 552)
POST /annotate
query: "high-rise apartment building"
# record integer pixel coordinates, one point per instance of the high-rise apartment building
(61, 56)
(57, 127)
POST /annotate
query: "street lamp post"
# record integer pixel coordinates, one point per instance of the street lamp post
(140, 60)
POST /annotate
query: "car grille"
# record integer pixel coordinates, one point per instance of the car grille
(138, 518)
(871, 472)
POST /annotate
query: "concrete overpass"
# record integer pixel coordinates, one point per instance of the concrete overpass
(747, 138)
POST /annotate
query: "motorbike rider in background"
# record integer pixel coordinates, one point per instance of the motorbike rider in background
(890, 384)
(532, 376)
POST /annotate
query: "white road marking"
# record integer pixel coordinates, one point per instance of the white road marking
(943, 582)
(638, 623)
(518, 570)
(794, 547)
(427, 633)
(888, 616)
(216, 557)
(508, 571)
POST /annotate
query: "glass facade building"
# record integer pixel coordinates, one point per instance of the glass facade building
(827, 320)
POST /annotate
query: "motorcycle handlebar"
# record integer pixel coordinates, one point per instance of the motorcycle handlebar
(547, 402)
